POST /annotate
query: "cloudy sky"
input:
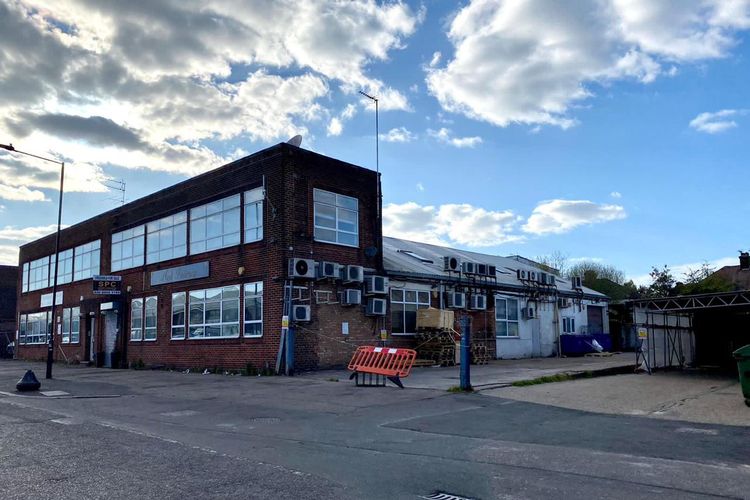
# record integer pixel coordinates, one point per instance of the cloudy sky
(608, 129)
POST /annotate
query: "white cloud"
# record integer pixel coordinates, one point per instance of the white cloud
(530, 62)
(435, 59)
(9, 255)
(713, 123)
(561, 216)
(445, 136)
(335, 127)
(400, 134)
(21, 193)
(461, 224)
(616, 194)
(420, 187)
(26, 234)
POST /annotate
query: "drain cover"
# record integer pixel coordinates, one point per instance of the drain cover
(441, 495)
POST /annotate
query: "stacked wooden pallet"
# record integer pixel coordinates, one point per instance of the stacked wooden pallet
(480, 354)
(436, 345)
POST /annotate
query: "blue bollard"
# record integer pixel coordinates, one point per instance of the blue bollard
(465, 354)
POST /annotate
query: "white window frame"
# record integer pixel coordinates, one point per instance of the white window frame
(64, 268)
(90, 251)
(422, 302)
(150, 333)
(569, 324)
(507, 319)
(195, 300)
(39, 336)
(159, 230)
(25, 277)
(39, 273)
(71, 325)
(178, 326)
(224, 209)
(340, 204)
(252, 291)
(253, 205)
(136, 334)
(132, 240)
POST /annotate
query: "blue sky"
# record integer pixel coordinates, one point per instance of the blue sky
(612, 130)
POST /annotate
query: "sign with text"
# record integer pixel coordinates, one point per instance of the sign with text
(107, 285)
(642, 333)
(180, 273)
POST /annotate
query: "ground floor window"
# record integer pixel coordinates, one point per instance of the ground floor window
(149, 319)
(136, 319)
(253, 319)
(33, 328)
(143, 319)
(178, 316)
(71, 325)
(404, 306)
(506, 317)
(569, 325)
(214, 313)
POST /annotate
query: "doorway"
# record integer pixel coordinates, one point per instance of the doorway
(110, 336)
(595, 319)
(91, 332)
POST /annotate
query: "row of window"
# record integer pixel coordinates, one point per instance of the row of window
(203, 314)
(79, 263)
(34, 328)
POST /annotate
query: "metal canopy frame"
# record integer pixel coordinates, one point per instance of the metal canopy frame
(696, 302)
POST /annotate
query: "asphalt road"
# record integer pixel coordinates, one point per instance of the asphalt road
(126, 434)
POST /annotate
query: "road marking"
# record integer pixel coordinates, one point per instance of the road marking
(65, 421)
(179, 413)
(697, 430)
(54, 393)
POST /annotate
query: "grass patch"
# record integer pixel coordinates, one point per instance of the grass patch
(332, 379)
(547, 379)
(456, 388)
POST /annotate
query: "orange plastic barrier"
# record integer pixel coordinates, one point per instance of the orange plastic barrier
(385, 361)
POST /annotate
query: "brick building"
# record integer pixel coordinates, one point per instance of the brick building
(8, 276)
(203, 267)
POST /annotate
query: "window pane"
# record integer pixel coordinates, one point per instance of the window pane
(512, 329)
(325, 235)
(348, 239)
(397, 318)
(513, 309)
(501, 329)
(501, 311)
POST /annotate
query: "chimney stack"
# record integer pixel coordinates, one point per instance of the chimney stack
(744, 261)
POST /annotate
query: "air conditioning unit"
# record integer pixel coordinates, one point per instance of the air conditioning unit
(451, 263)
(544, 278)
(353, 274)
(376, 285)
(576, 282)
(529, 312)
(563, 302)
(522, 274)
(375, 307)
(300, 313)
(455, 300)
(351, 297)
(533, 276)
(469, 267)
(551, 280)
(492, 271)
(328, 270)
(481, 269)
(302, 268)
(479, 302)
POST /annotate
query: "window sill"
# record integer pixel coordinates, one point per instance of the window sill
(253, 336)
(214, 338)
(508, 337)
(335, 243)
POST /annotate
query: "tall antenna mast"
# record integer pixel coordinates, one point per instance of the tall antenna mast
(377, 151)
(116, 185)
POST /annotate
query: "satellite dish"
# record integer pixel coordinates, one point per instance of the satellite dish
(295, 141)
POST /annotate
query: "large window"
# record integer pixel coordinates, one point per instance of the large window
(253, 309)
(166, 238)
(64, 268)
(215, 225)
(71, 325)
(178, 316)
(127, 248)
(136, 319)
(25, 277)
(39, 274)
(214, 312)
(404, 305)
(506, 317)
(33, 328)
(149, 319)
(336, 218)
(253, 215)
(86, 260)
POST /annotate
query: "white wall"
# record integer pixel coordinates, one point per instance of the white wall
(655, 347)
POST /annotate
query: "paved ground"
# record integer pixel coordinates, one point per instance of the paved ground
(502, 372)
(689, 396)
(143, 434)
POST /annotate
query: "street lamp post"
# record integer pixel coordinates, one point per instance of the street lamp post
(51, 340)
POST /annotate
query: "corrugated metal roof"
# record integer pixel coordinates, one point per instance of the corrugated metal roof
(396, 261)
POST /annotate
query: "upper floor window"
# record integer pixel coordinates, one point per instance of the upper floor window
(25, 277)
(166, 238)
(64, 268)
(39, 273)
(86, 260)
(336, 218)
(215, 225)
(253, 215)
(506, 317)
(127, 248)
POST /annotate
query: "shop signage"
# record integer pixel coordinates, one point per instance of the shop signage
(107, 285)
(180, 273)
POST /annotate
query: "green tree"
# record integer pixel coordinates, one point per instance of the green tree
(662, 282)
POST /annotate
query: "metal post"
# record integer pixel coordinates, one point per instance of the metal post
(290, 350)
(51, 343)
(465, 354)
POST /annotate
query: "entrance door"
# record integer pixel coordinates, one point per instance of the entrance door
(110, 336)
(595, 319)
(91, 331)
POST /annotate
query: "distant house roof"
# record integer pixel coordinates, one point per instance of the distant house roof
(413, 259)
(734, 275)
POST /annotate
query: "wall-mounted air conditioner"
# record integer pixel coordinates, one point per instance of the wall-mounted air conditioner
(328, 270)
(302, 268)
(576, 282)
(551, 280)
(528, 312)
(563, 302)
(533, 276)
(451, 263)
(479, 302)
(455, 300)
(544, 278)
(351, 297)
(375, 307)
(522, 274)
(376, 285)
(301, 313)
(481, 269)
(353, 274)
(469, 267)
(492, 271)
